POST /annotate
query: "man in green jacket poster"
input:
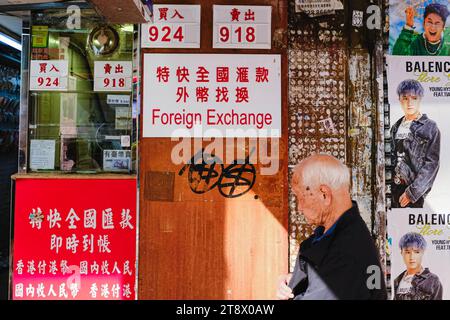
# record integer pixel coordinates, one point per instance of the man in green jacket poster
(434, 41)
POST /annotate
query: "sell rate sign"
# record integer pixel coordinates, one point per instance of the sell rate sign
(244, 27)
(212, 95)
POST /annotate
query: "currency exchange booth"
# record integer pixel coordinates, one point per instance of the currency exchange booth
(74, 224)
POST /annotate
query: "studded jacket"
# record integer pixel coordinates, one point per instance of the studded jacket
(424, 286)
(422, 149)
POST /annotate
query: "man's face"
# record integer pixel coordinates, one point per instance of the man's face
(412, 257)
(309, 203)
(433, 26)
(410, 103)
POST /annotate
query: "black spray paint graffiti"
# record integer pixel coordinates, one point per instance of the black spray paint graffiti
(232, 181)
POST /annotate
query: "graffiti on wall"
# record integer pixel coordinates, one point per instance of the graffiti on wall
(207, 171)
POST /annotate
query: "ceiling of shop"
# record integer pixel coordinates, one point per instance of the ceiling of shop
(115, 11)
(123, 11)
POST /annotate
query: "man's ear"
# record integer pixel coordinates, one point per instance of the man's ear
(326, 193)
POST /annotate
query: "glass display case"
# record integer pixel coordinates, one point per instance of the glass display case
(81, 94)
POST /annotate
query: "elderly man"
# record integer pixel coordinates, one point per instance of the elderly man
(335, 262)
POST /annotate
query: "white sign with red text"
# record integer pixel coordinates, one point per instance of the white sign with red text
(174, 26)
(49, 75)
(112, 75)
(212, 95)
(245, 27)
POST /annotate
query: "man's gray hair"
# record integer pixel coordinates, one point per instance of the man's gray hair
(322, 170)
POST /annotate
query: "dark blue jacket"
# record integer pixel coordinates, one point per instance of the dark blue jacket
(422, 148)
(343, 260)
(424, 286)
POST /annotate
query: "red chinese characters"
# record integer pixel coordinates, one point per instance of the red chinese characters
(162, 73)
(182, 94)
(202, 74)
(77, 246)
(242, 74)
(249, 15)
(176, 14)
(262, 74)
(183, 74)
(218, 85)
(202, 94)
(46, 75)
(223, 74)
(112, 75)
(242, 94)
(235, 13)
(222, 94)
(163, 13)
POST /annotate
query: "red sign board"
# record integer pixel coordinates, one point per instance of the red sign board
(74, 239)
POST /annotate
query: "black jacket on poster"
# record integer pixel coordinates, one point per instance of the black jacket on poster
(422, 148)
(344, 259)
(424, 286)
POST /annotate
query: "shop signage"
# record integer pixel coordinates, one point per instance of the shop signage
(74, 239)
(112, 75)
(245, 27)
(187, 95)
(174, 26)
(49, 75)
(39, 36)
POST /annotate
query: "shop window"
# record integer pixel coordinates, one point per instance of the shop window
(82, 94)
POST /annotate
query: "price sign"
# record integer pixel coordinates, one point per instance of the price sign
(246, 27)
(48, 75)
(174, 26)
(112, 75)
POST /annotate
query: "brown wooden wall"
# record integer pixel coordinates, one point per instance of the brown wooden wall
(205, 246)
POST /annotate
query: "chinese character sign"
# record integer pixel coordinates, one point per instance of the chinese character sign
(174, 26)
(48, 75)
(200, 95)
(112, 75)
(246, 27)
(74, 239)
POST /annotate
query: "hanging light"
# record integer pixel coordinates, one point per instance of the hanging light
(10, 42)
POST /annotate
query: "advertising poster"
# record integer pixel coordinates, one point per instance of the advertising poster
(211, 95)
(419, 28)
(419, 96)
(74, 240)
(419, 241)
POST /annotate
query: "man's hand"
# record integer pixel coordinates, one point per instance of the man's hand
(410, 13)
(284, 292)
(404, 200)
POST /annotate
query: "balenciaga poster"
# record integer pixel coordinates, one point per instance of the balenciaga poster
(420, 254)
(419, 98)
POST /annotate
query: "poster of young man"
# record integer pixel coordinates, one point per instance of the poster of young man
(419, 28)
(419, 96)
(420, 255)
